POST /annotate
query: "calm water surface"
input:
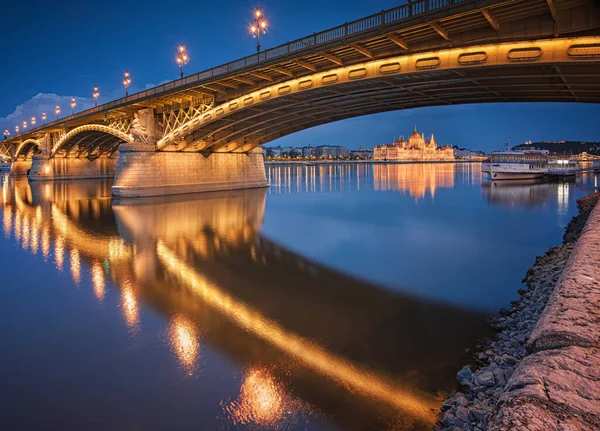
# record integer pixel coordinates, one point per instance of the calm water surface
(342, 297)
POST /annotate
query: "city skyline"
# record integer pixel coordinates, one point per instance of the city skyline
(73, 68)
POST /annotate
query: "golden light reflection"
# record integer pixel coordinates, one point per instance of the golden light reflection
(25, 234)
(262, 400)
(18, 226)
(98, 282)
(183, 337)
(59, 252)
(417, 180)
(75, 265)
(309, 353)
(7, 221)
(35, 236)
(130, 306)
(45, 242)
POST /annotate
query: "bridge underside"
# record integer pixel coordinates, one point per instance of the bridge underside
(90, 144)
(248, 128)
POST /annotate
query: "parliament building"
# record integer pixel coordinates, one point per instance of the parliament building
(416, 148)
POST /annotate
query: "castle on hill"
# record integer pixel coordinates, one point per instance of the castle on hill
(415, 148)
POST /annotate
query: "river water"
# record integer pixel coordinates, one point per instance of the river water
(342, 297)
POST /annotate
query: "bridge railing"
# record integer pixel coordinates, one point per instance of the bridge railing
(383, 18)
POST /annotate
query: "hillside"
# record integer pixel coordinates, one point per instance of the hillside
(564, 147)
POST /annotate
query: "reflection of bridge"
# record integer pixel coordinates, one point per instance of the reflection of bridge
(203, 264)
(199, 132)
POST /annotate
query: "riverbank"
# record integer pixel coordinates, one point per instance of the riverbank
(485, 400)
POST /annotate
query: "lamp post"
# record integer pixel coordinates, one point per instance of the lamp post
(6, 134)
(44, 117)
(33, 122)
(57, 111)
(24, 125)
(126, 83)
(73, 105)
(95, 96)
(259, 24)
(182, 58)
(17, 130)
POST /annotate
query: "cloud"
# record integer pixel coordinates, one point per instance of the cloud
(42, 102)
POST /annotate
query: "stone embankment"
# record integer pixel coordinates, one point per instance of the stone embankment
(542, 372)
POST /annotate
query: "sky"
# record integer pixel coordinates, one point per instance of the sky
(55, 50)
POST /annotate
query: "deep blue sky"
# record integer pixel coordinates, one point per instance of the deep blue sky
(55, 50)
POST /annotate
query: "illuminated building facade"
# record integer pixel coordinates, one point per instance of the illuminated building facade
(415, 148)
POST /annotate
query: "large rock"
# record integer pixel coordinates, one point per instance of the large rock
(572, 316)
(556, 389)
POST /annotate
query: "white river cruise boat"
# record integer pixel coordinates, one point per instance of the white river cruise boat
(517, 164)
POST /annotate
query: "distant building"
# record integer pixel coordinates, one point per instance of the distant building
(463, 153)
(330, 151)
(415, 148)
(361, 153)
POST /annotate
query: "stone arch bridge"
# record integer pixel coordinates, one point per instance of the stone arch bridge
(204, 131)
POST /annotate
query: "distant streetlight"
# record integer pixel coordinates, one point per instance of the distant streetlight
(57, 111)
(44, 117)
(6, 134)
(182, 58)
(73, 105)
(259, 24)
(95, 96)
(16, 129)
(126, 83)
(24, 125)
(32, 121)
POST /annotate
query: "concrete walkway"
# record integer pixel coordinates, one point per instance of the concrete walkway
(557, 387)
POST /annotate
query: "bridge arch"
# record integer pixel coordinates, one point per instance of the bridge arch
(25, 147)
(90, 138)
(505, 72)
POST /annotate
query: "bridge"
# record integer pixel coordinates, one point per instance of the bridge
(204, 131)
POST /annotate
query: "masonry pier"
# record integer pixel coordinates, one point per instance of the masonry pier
(20, 167)
(66, 168)
(142, 171)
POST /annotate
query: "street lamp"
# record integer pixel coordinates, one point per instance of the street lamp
(57, 111)
(24, 125)
(95, 96)
(182, 58)
(259, 24)
(32, 121)
(73, 105)
(6, 134)
(126, 83)
(16, 129)
(44, 117)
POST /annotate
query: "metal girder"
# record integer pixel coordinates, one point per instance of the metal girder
(331, 58)
(261, 76)
(364, 51)
(283, 71)
(564, 80)
(227, 84)
(398, 41)
(306, 65)
(439, 29)
(213, 89)
(552, 8)
(490, 18)
(243, 80)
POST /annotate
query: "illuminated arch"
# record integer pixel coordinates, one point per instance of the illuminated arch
(125, 137)
(27, 143)
(282, 96)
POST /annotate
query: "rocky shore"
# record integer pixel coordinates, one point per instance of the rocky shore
(483, 381)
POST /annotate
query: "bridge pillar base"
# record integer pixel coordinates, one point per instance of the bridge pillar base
(141, 171)
(20, 168)
(44, 168)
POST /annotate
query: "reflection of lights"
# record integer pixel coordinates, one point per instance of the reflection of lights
(7, 221)
(98, 280)
(130, 306)
(262, 400)
(563, 198)
(35, 236)
(75, 265)
(59, 252)
(184, 342)
(307, 352)
(18, 226)
(25, 234)
(45, 242)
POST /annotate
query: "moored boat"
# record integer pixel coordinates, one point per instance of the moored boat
(517, 165)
